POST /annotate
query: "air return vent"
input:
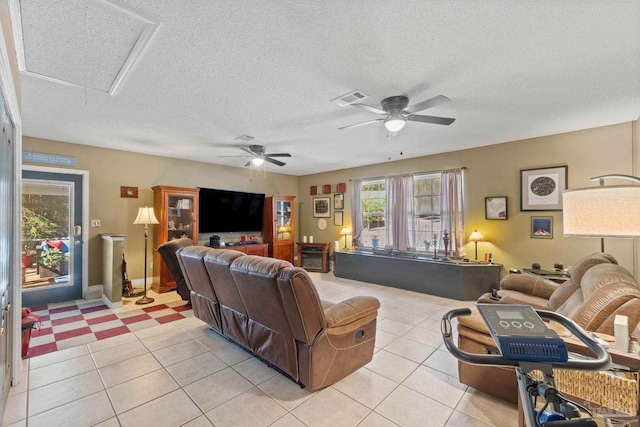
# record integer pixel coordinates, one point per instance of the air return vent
(350, 98)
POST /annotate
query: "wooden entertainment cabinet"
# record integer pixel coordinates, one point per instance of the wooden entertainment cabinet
(260, 249)
(177, 212)
(278, 226)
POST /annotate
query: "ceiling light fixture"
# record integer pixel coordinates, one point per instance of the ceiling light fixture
(394, 122)
(257, 161)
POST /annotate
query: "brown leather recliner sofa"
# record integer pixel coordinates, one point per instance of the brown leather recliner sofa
(598, 290)
(272, 309)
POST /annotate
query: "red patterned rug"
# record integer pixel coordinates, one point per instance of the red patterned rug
(62, 326)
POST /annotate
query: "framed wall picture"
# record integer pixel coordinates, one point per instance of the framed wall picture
(495, 207)
(130, 192)
(338, 218)
(338, 201)
(541, 189)
(542, 227)
(321, 207)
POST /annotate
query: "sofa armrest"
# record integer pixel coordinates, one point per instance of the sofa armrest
(350, 314)
(531, 285)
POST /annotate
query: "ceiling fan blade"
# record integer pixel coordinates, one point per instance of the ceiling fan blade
(278, 155)
(235, 156)
(360, 124)
(248, 151)
(275, 162)
(429, 103)
(248, 163)
(431, 119)
(370, 108)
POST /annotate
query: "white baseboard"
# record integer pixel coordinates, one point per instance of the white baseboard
(110, 304)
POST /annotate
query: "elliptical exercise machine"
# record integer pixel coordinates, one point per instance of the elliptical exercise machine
(528, 345)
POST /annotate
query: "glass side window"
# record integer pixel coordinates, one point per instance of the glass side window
(180, 217)
(426, 202)
(283, 220)
(374, 200)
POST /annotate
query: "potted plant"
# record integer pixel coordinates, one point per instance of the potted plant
(375, 241)
(35, 228)
(54, 263)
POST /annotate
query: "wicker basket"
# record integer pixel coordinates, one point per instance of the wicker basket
(616, 391)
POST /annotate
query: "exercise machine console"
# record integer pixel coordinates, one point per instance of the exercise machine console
(521, 335)
(528, 345)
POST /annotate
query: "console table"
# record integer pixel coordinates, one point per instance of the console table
(314, 256)
(464, 281)
(260, 249)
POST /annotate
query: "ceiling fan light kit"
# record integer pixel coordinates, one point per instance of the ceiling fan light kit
(398, 112)
(394, 123)
(259, 155)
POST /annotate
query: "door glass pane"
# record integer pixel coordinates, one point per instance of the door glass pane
(180, 217)
(46, 234)
(283, 220)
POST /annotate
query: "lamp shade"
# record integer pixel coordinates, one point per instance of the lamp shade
(345, 231)
(612, 211)
(257, 161)
(476, 236)
(146, 216)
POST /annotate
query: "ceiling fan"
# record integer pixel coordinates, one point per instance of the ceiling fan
(397, 112)
(259, 156)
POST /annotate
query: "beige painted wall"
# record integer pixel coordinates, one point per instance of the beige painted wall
(110, 169)
(491, 171)
(495, 171)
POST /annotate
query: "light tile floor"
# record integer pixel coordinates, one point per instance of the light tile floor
(183, 374)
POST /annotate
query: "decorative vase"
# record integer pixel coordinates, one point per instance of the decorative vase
(375, 242)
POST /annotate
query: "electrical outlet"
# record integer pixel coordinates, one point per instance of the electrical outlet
(95, 223)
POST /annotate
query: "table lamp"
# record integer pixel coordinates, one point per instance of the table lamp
(475, 238)
(345, 232)
(602, 211)
(146, 217)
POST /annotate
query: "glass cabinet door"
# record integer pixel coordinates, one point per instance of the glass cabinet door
(180, 217)
(283, 220)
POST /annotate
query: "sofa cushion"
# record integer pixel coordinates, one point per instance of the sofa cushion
(585, 263)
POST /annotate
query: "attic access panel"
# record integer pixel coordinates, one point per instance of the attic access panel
(85, 43)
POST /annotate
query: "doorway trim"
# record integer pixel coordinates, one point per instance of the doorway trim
(85, 214)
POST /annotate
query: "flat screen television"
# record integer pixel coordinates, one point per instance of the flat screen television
(223, 211)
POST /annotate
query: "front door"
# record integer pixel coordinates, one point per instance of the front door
(51, 237)
(7, 257)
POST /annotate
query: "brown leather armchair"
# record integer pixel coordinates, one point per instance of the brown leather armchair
(542, 293)
(167, 251)
(601, 292)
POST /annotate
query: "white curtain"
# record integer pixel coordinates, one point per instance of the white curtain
(400, 212)
(452, 209)
(356, 211)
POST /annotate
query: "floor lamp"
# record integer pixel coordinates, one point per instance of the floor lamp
(146, 217)
(602, 211)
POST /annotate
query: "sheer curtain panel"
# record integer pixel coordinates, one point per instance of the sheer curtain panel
(452, 209)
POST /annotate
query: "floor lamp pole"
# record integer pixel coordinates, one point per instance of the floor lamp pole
(145, 299)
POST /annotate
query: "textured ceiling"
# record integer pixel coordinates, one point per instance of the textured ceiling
(216, 70)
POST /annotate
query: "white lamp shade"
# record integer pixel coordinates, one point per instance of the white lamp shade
(476, 236)
(345, 231)
(146, 216)
(612, 211)
(257, 161)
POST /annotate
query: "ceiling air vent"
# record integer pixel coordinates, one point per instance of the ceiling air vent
(245, 138)
(350, 98)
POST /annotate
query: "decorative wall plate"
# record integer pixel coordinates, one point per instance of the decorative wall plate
(322, 223)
